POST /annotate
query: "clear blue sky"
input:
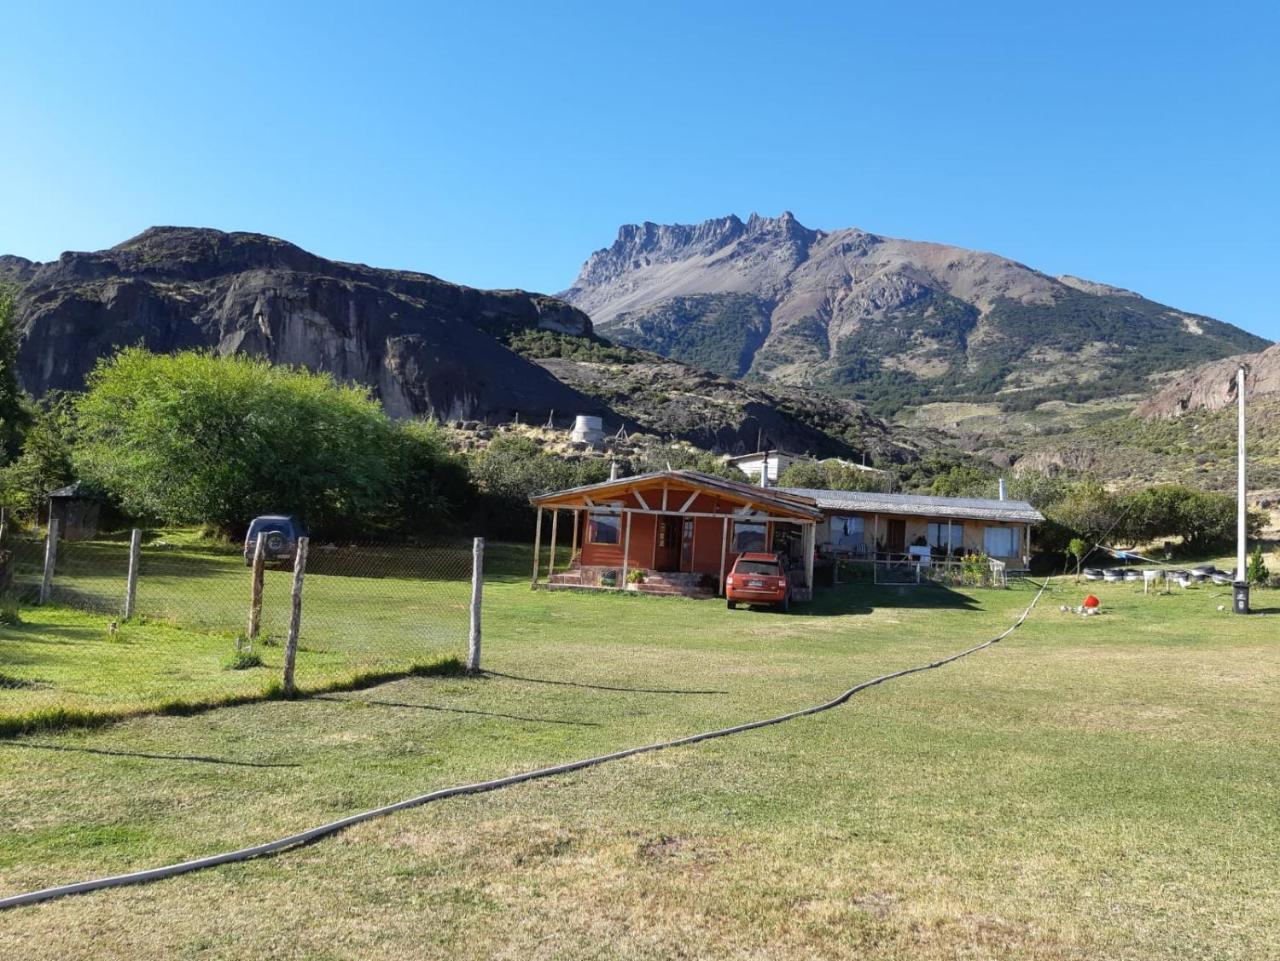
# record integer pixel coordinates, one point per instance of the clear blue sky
(498, 145)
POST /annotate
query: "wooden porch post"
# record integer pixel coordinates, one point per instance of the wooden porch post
(949, 547)
(724, 550)
(537, 549)
(875, 543)
(810, 546)
(573, 546)
(551, 564)
(626, 551)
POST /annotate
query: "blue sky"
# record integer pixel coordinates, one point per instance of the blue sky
(499, 144)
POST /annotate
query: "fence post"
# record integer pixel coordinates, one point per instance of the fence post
(477, 587)
(50, 559)
(4, 523)
(295, 615)
(131, 587)
(255, 591)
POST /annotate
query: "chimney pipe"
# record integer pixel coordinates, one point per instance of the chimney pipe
(1002, 488)
(613, 470)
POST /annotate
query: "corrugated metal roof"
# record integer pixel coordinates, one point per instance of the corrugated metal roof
(777, 498)
(960, 508)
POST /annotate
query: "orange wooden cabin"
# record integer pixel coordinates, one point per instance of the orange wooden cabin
(681, 529)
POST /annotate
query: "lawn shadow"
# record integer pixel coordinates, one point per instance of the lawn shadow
(197, 758)
(455, 710)
(594, 687)
(847, 599)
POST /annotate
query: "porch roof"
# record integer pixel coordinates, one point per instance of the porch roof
(769, 500)
(921, 505)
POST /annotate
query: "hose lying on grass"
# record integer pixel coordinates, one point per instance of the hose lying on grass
(316, 833)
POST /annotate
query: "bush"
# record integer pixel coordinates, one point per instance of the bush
(242, 661)
(511, 470)
(194, 438)
(1256, 572)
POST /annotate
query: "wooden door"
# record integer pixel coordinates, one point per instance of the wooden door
(686, 545)
(896, 537)
(667, 555)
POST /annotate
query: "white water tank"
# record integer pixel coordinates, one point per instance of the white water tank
(588, 429)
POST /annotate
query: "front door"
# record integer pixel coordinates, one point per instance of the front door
(896, 537)
(667, 556)
(686, 545)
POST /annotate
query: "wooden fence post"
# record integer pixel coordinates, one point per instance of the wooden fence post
(537, 549)
(477, 588)
(50, 559)
(295, 616)
(4, 523)
(131, 586)
(255, 591)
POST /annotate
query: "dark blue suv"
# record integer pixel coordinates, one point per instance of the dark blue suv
(281, 541)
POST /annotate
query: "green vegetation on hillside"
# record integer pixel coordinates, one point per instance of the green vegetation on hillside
(717, 332)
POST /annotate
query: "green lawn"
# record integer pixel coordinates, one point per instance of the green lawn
(1091, 788)
(365, 611)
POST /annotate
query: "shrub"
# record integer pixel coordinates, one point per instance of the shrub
(194, 438)
(1256, 572)
(242, 661)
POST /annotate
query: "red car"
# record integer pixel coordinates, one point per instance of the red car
(758, 578)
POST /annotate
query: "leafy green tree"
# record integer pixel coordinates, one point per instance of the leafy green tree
(512, 469)
(1257, 573)
(964, 480)
(195, 438)
(14, 414)
(45, 462)
(1077, 549)
(1204, 521)
(657, 457)
(833, 475)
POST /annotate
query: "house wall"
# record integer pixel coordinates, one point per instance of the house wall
(972, 534)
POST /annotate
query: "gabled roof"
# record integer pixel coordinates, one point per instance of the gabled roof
(957, 508)
(771, 499)
(75, 489)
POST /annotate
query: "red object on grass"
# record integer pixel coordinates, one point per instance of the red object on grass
(1092, 601)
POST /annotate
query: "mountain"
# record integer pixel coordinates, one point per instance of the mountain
(423, 345)
(1213, 386)
(892, 322)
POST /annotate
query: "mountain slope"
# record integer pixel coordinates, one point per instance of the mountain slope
(425, 346)
(894, 322)
(1213, 386)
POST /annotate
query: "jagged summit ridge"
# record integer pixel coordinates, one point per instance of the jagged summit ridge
(891, 321)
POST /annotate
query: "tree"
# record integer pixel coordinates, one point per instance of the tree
(656, 457)
(14, 413)
(833, 475)
(1077, 549)
(1256, 573)
(512, 469)
(45, 462)
(195, 438)
(1203, 521)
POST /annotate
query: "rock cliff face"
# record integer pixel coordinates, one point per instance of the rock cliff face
(893, 322)
(424, 345)
(1213, 386)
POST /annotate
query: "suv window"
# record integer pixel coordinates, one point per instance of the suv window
(757, 567)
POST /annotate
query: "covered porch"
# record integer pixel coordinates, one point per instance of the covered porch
(669, 532)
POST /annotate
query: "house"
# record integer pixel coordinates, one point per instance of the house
(679, 530)
(894, 527)
(769, 463)
(76, 511)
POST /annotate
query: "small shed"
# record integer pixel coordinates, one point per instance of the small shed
(76, 510)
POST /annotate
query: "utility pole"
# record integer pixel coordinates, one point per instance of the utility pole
(1241, 605)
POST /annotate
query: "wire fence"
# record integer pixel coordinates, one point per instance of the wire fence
(366, 610)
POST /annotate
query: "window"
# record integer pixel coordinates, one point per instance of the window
(748, 537)
(603, 528)
(1000, 541)
(757, 567)
(847, 531)
(938, 537)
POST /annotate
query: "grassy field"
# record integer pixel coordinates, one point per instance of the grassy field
(366, 610)
(1090, 788)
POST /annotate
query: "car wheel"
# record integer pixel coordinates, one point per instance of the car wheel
(733, 605)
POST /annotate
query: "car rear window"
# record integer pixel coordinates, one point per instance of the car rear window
(756, 567)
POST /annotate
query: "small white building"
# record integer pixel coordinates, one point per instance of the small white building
(770, 463)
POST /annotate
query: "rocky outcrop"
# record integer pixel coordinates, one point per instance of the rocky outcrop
(424, 345)
(1213, 386)
(893, 322)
